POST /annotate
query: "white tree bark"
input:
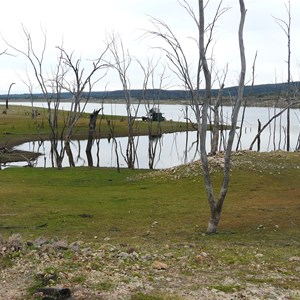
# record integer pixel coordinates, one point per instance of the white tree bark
(183, 70)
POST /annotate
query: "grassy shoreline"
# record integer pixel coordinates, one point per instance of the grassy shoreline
(17, 127)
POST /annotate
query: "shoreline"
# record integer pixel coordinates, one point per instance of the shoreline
(250, 102)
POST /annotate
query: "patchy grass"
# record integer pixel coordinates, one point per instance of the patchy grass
(258, 234)
(142, 296)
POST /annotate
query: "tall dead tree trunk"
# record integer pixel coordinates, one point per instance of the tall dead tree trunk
(183, 70)
(245, 106)
(286, 27)
(91, 133)
(216, 126)
(92, 129)
(121, 63)
(6, 102)
(216, 206)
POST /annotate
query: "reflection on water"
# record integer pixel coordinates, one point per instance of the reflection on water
(166, 151)
(156, 152)
(170, 149)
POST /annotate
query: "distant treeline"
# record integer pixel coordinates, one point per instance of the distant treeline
(262, 90)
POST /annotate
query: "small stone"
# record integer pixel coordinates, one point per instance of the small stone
(169, 255)
(75, 246)
(61, 244)
(29, 243)
(258, 255)
(40, 242)
(155, 223)
(122, 255)
(87, 252)
(15, 242)
(47, 248)
(201, 257)
(294, 259)
(157, 265)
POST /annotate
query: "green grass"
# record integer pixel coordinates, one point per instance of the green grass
(81, 203)
(258, 233)
(17, 126)
(115, 206)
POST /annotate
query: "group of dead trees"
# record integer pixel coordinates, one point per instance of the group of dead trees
(68, 76)
(78, 78)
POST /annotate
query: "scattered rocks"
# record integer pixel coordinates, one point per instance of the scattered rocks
(256, 162)
(107, 271)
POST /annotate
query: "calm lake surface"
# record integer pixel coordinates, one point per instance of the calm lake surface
(171, 149)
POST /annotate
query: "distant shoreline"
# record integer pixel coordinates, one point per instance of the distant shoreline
(250, 101)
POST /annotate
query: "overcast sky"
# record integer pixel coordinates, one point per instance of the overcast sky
(84, 25)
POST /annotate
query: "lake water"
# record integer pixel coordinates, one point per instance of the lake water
(171, 149)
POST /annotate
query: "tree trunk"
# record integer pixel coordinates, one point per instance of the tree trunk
(213, 223)
(216, 207)
(258, 138)
(216, 127)
(6, 102)
(70, 154)
(92, 130)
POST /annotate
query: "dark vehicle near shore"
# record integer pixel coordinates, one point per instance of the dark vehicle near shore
(154, 115)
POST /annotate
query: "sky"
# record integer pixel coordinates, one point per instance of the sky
(82, 27)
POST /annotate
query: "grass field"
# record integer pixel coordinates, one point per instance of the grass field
(264, 191)
(150, 211)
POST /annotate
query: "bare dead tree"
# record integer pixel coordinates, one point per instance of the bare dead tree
(80, 86)
(154, 128)
(7, 97)
(121, 62)
(30, 87)
(36, 61)
(216, 113)
(68, 75)
(92, 130)
(111, 126)
(183, 70)
(286, 27)
(216, 206)
(298, 143)
(245, 105)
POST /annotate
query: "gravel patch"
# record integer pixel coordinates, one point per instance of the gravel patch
(107, 271)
